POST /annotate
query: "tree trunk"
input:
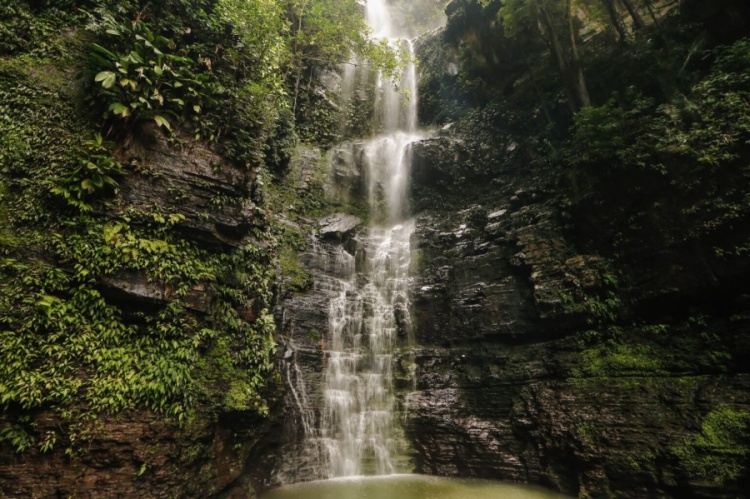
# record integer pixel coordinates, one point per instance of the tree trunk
(556, 47)
(637, 19)
(651, 12)
(582, 92)
(615, 17)
(540, 95)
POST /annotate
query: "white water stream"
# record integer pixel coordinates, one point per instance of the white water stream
(359, 427)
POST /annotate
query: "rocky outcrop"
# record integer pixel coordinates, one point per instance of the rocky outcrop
(141, 453)
(511, 382)
(339, 226)
(347, 179)
(297, 453)
(212, 195)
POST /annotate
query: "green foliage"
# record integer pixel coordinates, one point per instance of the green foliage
(330, 31)
(57, 324)
(39, 127)
(261, 27)
(592, 288)
(38, 30)
(17, 435)
(517, 15)
(256, 121)
(9, 240)
(67, 348)
(677, 166)
(95, 170)
(616, 360)
(720, 451)
(297, 278)
(588, 432)
(144, 80)
(602, 133)
(324, 34)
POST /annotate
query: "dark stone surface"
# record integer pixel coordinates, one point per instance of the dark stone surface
(347, 179)
(339, 226)
(500, 341)
(213, 195)
(137, 289)
(137, 455)
(293, 455)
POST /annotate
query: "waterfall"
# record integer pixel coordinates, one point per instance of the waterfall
(359, 427)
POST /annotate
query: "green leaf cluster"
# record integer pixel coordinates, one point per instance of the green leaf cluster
(38, 28)
(687, 153)
(145, 80)
(95, 170)
(68, 346)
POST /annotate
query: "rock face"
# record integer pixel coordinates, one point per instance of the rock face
(339, 226)
(193, 181)
(304, 326)
(137, 456)
(522, 367)
(142, 454)
(507, 384)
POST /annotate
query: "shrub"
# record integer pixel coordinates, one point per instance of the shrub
(144, 81)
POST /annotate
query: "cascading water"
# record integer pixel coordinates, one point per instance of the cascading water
(359, 430)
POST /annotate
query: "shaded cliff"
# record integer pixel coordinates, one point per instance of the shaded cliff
(579, 279)
(582, 322)
(579, 296)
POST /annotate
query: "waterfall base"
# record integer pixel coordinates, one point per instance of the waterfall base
(408, 487)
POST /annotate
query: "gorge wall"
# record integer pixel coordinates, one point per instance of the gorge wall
(577, 322)
(578, 281)
(137, 273)
(579, 305)
(512, 386)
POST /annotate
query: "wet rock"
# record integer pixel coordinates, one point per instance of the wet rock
(431, 159)
(212, 195)
(140, 455)
(339, 226)
(498, 362)
(136, 289)
(347, 170)
(305, 163)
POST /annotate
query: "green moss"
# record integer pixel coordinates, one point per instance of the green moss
(720, 451)
(588, 432)
(294, 274)
(622, 362)
(643, 461)
(227, 384)
(314, 336)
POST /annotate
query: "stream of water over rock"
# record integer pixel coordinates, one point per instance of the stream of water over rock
(359, 429)
(349, 412)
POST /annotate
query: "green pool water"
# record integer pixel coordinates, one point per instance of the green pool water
(408, 487)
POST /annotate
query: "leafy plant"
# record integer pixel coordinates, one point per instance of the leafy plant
(144, 80)
(17, 436)
(94, 172)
